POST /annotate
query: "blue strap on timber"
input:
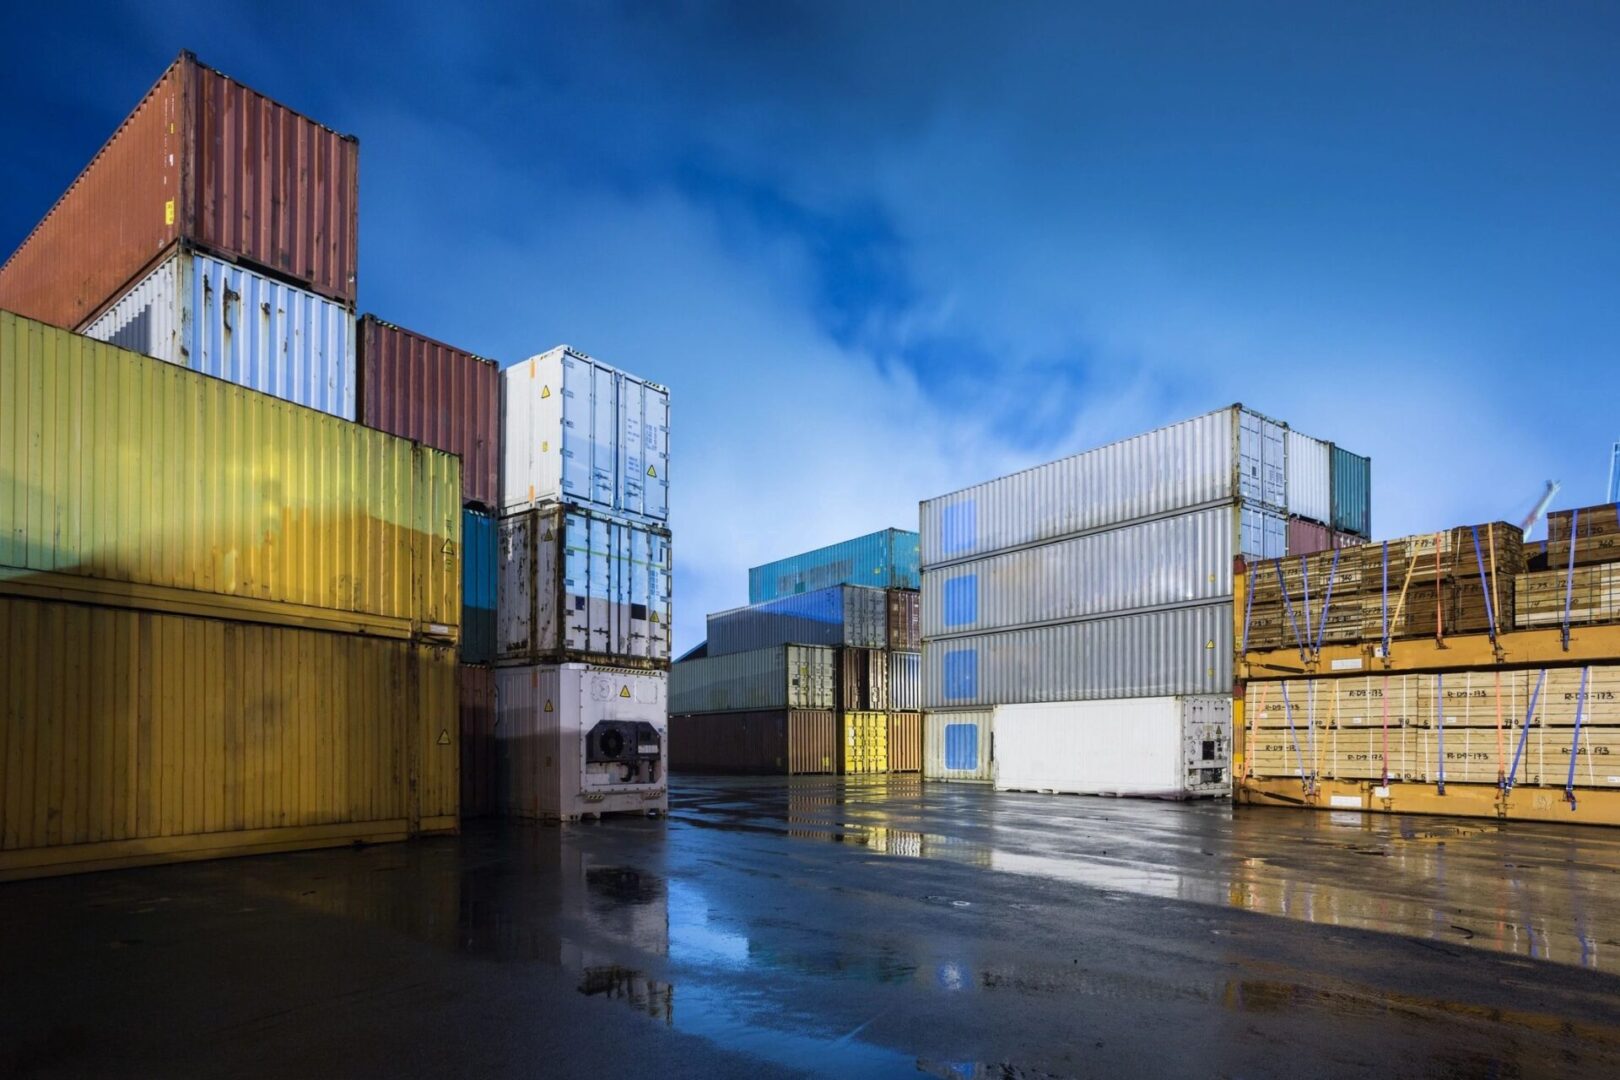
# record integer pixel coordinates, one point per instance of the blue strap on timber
(1289, 603)
(1569, 575)
(1288, 711)
(1327, 602)
(1386, 604)
(1524, 734)
(1440, 715)
(1484, 586)
(1575, 741)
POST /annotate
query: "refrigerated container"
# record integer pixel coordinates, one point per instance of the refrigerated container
(578, 740)
(204, 160)
(1162, 747)
(884, 560)
(790, 742)
(849, 615)
(783, 677)
(958, 745)
(480, 576)
(239, 325)
(1310, 479)
(905, 681)
(576, 430)
(578, 585)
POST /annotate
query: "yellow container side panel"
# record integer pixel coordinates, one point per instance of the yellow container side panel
(865, 742)
(130, 736)
(117, 468)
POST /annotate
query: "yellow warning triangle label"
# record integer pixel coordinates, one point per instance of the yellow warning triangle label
(624, 691)
(1210, 644)
(545, 445)
(545, 391)
(655, 616)
(444, 737)
(546, 539)
(651, 471)
(548, 706)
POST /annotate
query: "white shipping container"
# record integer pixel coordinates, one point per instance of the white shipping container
(959, 745)
(575, 740)
(578, 585)
(905, 681)
(1225, 456)
(1170, 651)
(782, 677)
(1310, 482)
(1161, 747)
(850, 615)
(579, 431)
(222, 320)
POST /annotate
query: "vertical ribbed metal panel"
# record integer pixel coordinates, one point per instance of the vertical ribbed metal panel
(1178, 651)
(478, 587)
(881, 560)
(126, 470)
(844, 615)
(905, 619)
(1174, 560)
(418, 388)
(1352, 492)
(905, 681)
(777, 742)
(233, 324)
(957, 745)
(1310, 478)
(478, 750)
(1262, 461)
(905, 742)
(785, 677)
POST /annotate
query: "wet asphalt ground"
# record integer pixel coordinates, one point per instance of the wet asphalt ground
(870, 928)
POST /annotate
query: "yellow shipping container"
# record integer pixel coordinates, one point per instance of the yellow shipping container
(131, 737)
(865, 739)
(128, 481)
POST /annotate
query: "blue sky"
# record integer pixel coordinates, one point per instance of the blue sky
(882, 251)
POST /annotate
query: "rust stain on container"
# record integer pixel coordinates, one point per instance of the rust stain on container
(205, 159)
(773, 742)
(448, 398)
(477, 741)
(905, 620)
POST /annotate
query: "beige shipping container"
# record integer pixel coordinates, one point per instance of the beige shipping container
(133, 482)
(131, 737)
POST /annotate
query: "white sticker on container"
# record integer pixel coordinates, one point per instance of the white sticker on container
(1350, 802)
(1352, 664)
(1380, 792)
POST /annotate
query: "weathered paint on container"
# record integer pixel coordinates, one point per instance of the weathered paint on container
(887, 559)
(849, 615)
(905, 681)
(203, 159)
(905, 742)
(1158, 747)
(577, 585)
(576, 430)
(479, 578)
(780, 742)
(783, 677)
(478, 750)
(1160, 653)
(863, 739)
(863, 680)
(1223, 457)
(548, 719)
(138, 483)
(1352, 492)
(957, 745)
(1310, 478)
(241, 326)
(905, 619)
(448, 398)
(133, 737)
(1308, 537)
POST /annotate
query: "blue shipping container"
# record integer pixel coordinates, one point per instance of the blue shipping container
(1352, 492)
(882, 560)
(842, 615)
(478, 578)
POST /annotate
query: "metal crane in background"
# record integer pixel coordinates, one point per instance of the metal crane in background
(1614, 474)
(1542, 503)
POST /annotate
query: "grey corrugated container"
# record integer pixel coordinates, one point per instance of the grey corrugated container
(1175, 560)
(784, 677)
(849, 615)
(959, 744)
(1310, 479)
(905, 681)
(1222, 457)
(1177, 651)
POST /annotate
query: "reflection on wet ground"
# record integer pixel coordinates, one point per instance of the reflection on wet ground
(885, 927)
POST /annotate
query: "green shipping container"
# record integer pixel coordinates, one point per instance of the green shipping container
(1352, 492)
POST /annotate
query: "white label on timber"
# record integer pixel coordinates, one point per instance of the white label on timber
(1352, 664)
(1348, 802)
(1380, 792)
(444, 737)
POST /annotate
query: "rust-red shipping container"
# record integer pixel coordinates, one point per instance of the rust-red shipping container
(437, 394)
(1307, 537)
(905, 742)
(203, 159)
(905, 620)
(776, 742)
(478, 747)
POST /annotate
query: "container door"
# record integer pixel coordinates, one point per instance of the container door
(515, 602)
(644, 449)
(589, 424)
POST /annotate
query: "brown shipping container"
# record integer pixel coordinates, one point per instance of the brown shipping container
(905, 620)
(905, 742)
(776, 742)
(477, 741)
(204, 159)
(448, 398)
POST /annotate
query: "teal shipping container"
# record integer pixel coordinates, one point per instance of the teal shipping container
(882, 560)
(1352, 492)
(478, 586)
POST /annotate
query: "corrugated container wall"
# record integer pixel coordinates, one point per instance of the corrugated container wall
(479, 576)
(905, 619)
(579, 585)
(883, 560)
(478, 749)
(905, 681)
(905, 742)
(1223, 456)
(241, 326)
(1310, 479)
(133, 737)
(204, 159)
(1175, 651)
(844, 615)
(785, 677)
(1352, 492)
(126, 471)
(576, 430)
(1308, 537)
(957, 745)
(448, 398)
(790, 742)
